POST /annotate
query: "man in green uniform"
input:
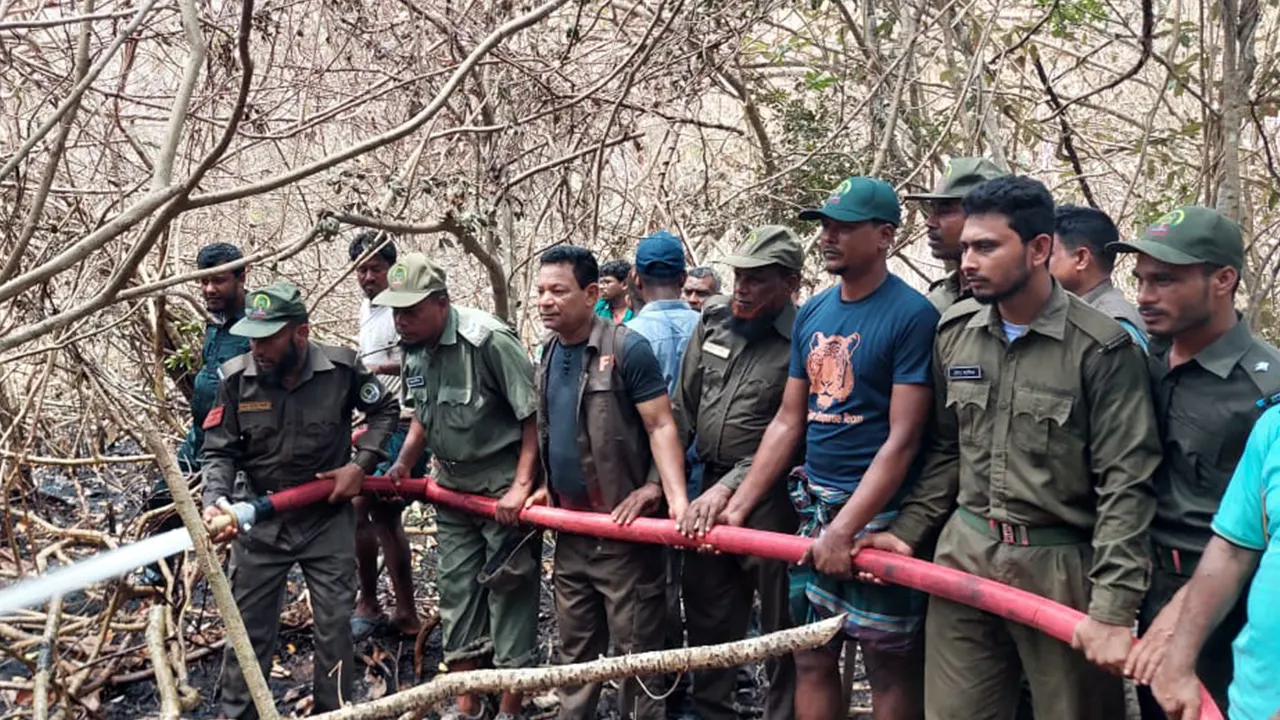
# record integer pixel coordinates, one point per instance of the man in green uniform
(224, 300)
(283, 418)
(1212, 379)
(471, 386)
(1083, 257)
(1038, 471)
(946, 220)
(729, 388)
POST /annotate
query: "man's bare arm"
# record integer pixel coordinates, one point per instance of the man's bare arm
(668, 455)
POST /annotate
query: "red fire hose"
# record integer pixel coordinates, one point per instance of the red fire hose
(1051, 618)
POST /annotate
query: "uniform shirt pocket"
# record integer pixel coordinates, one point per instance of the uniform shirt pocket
(1040, 422)
(968, 400)
(454, 407)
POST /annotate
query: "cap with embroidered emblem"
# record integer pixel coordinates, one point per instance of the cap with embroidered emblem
(858, 199)
(1190, 235)
(268, 310)
(410, 281)
(768, 245)
(660, 255)
(962, 175)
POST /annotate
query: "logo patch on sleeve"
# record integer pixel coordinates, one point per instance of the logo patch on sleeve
(213, 419)
(964, 372)
(370, 393)
(415, 381)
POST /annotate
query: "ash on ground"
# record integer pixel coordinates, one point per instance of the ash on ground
(113, 497)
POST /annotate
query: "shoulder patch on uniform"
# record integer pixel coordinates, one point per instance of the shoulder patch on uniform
(475, 326)
(213, 419)
(234, 366)
(1103, 328)
(1261, 362)
(370, 392)
(340, 355)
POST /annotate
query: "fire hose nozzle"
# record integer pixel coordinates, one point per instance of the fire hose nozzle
(241, 515)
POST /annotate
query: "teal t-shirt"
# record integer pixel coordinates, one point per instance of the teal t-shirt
(1249, 517)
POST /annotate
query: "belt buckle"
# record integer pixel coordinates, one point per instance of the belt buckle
(1006, 534)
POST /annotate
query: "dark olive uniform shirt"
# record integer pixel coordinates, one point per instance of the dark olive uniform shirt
(281, 438)
(1206, 408)
(1053, 429)
(947, 292)
(472, 392)
(730, 388)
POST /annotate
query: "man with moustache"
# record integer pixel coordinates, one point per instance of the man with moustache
(379, 521)
(471, 387)
(609, 444)
(857, 397)
(223, 295)
(945, 220)
(283, 418)
(730, 386)
(1212, 378)
(701, 284)
(1038, 472)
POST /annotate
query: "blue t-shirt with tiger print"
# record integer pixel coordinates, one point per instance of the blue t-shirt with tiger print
(852, 354)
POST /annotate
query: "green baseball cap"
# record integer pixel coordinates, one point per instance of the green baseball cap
(1189, 236)
(410, 281)
(961, 176)
(768, 245)
(858, 199)
(268, 310)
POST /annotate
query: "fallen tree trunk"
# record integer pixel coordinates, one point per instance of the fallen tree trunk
(530, 680)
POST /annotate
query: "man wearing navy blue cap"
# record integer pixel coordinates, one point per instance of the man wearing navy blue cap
(666, 321)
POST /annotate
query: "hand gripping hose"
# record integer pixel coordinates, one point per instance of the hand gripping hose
(1051, 618)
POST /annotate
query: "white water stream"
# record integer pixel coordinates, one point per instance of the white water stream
(112, 564)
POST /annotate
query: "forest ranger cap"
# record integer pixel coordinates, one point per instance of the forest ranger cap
(1190, 235)
(768, 245)
(268, 310)
(962, 175)
(858, 199)
(410, 281)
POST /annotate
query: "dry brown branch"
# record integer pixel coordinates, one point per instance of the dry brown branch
(531, 680)
(166, 685)
(212, 569)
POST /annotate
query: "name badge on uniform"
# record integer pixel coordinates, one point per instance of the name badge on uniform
(258, 406)
(964, 372)
(414, 381)
(719, 351)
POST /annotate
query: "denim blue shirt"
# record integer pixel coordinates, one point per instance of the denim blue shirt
(667, 325)
(219, 346)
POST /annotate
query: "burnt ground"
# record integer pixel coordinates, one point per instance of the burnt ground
(113, 498)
